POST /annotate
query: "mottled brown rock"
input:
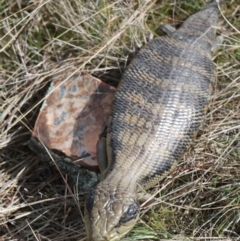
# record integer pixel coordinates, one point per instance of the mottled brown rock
(82, 178)
(74, 115)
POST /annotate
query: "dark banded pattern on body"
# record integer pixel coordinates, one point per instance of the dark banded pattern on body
(158, 108)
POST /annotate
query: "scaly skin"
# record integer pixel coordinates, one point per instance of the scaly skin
(158, 107)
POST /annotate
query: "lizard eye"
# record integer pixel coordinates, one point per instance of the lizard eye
(131, 213)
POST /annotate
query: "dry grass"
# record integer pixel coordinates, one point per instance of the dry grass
(200, 199)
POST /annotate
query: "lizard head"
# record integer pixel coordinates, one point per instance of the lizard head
(110, 213)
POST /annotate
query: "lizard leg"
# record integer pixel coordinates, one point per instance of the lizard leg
(165, 28)
(102, 153)
(217, 44)
(145, 197)
(168, 29)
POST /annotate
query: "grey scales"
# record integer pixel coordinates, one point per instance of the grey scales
(159, 106)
